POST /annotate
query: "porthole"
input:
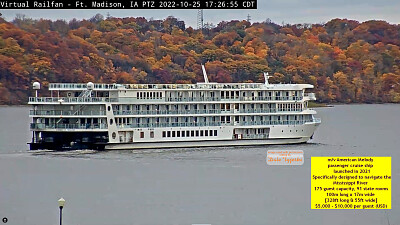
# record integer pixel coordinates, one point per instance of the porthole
(282, 131)
(109, 108)
(111, 121)
(114, 135)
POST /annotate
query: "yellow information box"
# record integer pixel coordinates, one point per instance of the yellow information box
(351, 182)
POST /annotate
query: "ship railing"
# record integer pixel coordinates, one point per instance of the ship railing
(69, 100)
(166, 112)
(65, 113)
(275, 122)
(205, 111)
(68, 126)
(105, 99)
(201, 124)
(268, 110)
(210, 99)
(155, 125)
(289, 110)
(261, 98)
(80, 86)
(198, 99)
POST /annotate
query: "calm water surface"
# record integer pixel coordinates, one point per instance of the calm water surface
(186, 186)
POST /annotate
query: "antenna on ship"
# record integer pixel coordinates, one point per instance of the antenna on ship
(204, 74)
(266, 77)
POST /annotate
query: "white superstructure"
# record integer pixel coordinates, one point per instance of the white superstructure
(136, 116)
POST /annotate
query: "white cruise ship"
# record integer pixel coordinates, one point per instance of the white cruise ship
(139, 116)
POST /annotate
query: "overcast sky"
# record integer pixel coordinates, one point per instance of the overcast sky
(289, 11)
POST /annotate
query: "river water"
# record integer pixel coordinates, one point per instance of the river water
(189, 186)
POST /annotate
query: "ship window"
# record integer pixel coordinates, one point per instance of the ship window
(151, 134)
(109, 108)
(197, 133)
(137, 94)
(163, 134)
(111, 121)
(141, 134)
(211, 133)
(206, 133)
(178, 134)
(114, 135)
(192, 133)
(183, 133)
(169, 134)
(215, 133)
(201, 133)
(173, 133)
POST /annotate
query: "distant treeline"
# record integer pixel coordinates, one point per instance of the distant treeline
(347, 61)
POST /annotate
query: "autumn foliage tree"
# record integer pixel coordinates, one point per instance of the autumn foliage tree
(347, 61)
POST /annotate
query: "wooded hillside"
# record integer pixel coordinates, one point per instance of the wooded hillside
(346, 60)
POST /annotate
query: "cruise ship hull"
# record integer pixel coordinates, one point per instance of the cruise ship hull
(210, 143)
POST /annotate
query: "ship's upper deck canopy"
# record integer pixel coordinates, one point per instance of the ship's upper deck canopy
(198, 86)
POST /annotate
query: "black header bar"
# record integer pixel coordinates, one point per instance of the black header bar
(128, 4)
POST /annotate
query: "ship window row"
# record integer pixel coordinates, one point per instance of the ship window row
(221, 106)
(190, 133)
(149, 95)
(195, 120)
(290, 107)
(232, 94)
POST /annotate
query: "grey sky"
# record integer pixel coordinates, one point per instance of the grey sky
(289, 11)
